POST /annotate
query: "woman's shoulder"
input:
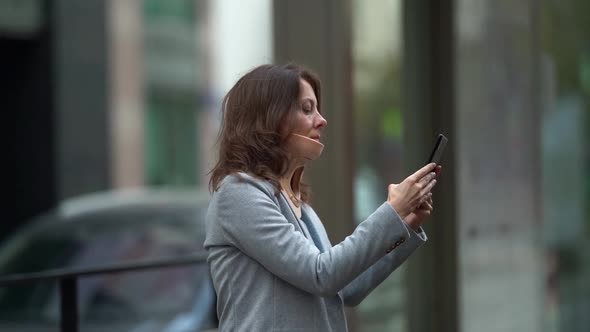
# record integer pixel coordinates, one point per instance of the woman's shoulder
(242, 177)
(244, 183)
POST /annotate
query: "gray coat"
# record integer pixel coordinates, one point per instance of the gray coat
(270, 276)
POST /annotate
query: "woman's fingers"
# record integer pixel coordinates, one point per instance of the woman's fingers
(426, 202)
(408, 195)
(427, 198)
(423, 182)
(426, 207)
(438, 170)
(428, 187)
(422, 172)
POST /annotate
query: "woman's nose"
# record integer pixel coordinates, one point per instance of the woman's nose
(321, 122)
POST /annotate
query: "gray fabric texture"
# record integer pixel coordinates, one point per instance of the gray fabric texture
(268, 273)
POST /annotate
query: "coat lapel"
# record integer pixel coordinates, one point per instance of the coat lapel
(317, 225)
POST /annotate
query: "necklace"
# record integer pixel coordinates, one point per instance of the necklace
(290, 182)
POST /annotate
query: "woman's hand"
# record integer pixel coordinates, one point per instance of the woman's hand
(413, 191)
(416, 218)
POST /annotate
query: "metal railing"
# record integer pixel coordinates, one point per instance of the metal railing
(68, 281)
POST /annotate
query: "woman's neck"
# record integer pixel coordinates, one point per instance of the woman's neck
(302, 149)
(291, 181)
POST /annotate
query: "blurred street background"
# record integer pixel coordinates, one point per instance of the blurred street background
(111, 109)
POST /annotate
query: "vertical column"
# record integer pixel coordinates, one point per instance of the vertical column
(26, 94)
(322, 44)
(499, 231)
(428, 108)
(317, 34)
(126, 116)
(80, 64)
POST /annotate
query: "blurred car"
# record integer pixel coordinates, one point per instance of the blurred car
(113, 227)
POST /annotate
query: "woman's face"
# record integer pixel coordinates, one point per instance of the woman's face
(308, 120)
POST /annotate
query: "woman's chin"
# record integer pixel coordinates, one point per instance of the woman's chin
(306, 147)
(314, 141)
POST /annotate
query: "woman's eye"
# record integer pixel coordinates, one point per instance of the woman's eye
(307, 108)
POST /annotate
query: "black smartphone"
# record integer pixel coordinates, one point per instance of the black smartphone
(437, 151)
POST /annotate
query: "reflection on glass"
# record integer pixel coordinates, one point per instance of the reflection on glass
(522, 97)
(500, 264)
(172, 79)
(565, 85)
(378, 129)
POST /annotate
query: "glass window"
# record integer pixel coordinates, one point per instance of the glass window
(522, 121)
(172, 63)
(172, 78)
(377, 56)
(499, 265)
(564, 85)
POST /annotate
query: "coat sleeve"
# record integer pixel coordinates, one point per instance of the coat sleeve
(364, 284)
(253, 223)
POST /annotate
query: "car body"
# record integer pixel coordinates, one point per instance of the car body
(113, 227)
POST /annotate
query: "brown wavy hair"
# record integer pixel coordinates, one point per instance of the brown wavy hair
(254, 110)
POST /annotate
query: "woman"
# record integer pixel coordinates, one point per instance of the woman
(272, 264)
